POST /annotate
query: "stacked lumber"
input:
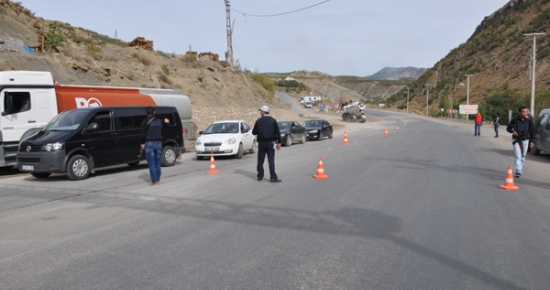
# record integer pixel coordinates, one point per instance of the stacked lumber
(141, 43)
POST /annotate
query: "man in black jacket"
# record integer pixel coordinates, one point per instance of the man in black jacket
(151, 141)
(522, 131)
(269, 138)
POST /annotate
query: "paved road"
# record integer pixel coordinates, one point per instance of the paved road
(418, 209)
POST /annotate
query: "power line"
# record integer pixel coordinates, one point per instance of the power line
(279, 14)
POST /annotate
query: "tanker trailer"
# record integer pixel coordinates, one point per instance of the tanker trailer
(354, 113)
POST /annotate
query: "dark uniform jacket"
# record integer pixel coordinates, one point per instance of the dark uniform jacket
(524, 128)
(267, 130)
(151, 130)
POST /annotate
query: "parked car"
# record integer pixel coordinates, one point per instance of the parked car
(291, 131)
(318, 129)
(542, 133)
(308, 104)
(225, 138)
(77, 141)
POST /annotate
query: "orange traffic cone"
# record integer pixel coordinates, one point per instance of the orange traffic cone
(396, 128)
(385, 131)
(320, 170)
(212, 169)
(509, 182)
(345, 138)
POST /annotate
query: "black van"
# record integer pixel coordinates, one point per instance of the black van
(80, 140)
(542, 132)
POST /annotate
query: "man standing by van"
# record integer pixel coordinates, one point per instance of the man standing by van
(269, 138)
(151, 141)
(522, 131)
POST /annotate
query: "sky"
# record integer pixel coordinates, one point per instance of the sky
(337, 37)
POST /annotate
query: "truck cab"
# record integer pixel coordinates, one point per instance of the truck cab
(27, 100)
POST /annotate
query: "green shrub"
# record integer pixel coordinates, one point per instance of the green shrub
(165, 69)
(54, 38)
(264, 81)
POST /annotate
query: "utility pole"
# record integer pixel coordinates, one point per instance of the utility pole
(533, 64)
(427, 97)
(408, 99)
(229, 33)
(468, 89)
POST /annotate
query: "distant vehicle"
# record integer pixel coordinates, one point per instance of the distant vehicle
(290, 131)
(225, 138)
(318, 129)
(77, 141)
(542, 132)
(308, 104)
(354, 113)
(305, 99)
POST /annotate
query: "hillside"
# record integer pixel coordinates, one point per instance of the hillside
(87, 58)
(397, 73)
(497, 55)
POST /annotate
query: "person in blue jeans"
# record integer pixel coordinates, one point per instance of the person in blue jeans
(522, 132)
(151, 141)
(496, 124)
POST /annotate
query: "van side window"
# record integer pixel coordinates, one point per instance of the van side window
(16, 102)
(103, 120)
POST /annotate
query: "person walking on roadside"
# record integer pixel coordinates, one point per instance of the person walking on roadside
(268, 135)
(522, 131)
(478, 122)
(151, 141)
(496, 124)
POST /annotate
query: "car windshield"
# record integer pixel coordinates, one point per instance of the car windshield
(312, 123)
(66, 121)
(284, 125)
(222, 128)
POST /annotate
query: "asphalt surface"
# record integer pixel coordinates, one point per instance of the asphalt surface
(417, 209)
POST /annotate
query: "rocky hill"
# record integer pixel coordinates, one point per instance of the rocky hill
(397, 73)
(216, 91)
(497, 55)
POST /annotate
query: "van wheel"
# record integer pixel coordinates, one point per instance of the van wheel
(241, 152)
(133, 163)
(78, 167)
(41, 175)
(253, 149)
(535, 150)
(168, 156)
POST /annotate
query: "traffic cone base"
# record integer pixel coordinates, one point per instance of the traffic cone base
(212, 169)
(345, 138)
(320, 170)
(509, 182)
(385, 131)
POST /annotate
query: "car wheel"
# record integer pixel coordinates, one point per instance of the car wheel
(330, 136)
(321, 136)
(200, 157)
(535, 150)
(288, 141)
(133, 163)
(240, 153)
(78, 167)
(303, 140)
(41, 174)
(253, 149)
(168, 156)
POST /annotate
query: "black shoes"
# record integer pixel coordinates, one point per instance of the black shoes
(275, 180)
(518, 175)
(260, 179)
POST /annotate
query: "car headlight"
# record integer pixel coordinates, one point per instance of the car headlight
(231, 141)
(198, 143)
(53, 146)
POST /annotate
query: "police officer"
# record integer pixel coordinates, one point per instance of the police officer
(151, 141)
(268, 135)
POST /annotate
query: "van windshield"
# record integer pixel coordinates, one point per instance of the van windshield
(66, 121)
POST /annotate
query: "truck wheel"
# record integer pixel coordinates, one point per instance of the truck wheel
(41, 175)
(253, 149)
(78, 167)
(288, 141)
(240, 153)
(168, 156)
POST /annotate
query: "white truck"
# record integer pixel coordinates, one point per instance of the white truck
(354, 113)
(313, 99)
(30, 99)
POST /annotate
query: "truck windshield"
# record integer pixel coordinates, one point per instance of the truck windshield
(66, 121)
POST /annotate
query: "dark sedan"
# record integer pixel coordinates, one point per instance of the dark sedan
(292, 131)
(318, 129)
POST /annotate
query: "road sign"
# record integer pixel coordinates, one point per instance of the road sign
(467, 109)
(454, 111)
